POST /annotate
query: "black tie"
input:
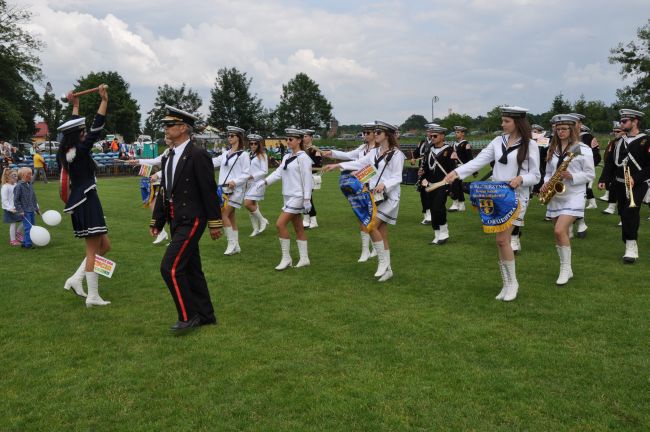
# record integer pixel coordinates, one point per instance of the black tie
(170, 173)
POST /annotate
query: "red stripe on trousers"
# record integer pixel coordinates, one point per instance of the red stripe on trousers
(178, 257)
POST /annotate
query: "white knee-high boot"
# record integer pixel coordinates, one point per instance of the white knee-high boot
(365, 241)
(254, 224)
(566, 272)
(76, 280)
(304, 256)
(93, 298)
(504, 278)
(389, 271)
(382, 264)
(513, 285)
(262, 223)
(285, 262)
(231, 245)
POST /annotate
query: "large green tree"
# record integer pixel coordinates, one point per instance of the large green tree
(456, 119)
(51, 109)
(302, 105)
(19, 69)
(182, 97)
(232, 103)
(634, 58)
(123, 114)
(414, 122)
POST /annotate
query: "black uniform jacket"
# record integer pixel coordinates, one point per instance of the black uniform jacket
(194, 192)
(638, 149)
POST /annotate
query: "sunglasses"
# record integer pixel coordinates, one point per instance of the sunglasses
(231, 135)
(378, 131)
(434, 135)
(368, 132)
(562, 129)
(625, 120)
(170, 125)
(292, 139)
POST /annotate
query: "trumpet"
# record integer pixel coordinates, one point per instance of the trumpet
(629, 193)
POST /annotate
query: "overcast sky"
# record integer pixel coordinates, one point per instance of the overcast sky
(372, 59)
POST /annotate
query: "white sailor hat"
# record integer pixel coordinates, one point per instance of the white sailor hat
(385, 126)
(584, 128)
(513, 111)
(569, 119)
(436, 128)
(630, 113)
(460, 128)
(254, 137)
(616, 125)
(309, 132)
(368, 126)
(235, 130)
(580, 117)
(176, 115)
(537, 127)
(72, 125)
(293, 132)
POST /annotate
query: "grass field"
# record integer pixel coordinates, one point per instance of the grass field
(326, 347)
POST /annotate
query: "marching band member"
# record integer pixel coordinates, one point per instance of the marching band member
(297, 184)
(436, 164)
(610, 191)
(516, 158)
(418, 154)
(187, 202)
(629, 166)
(539, 135)
(462, 153)
(259, 168)
(357, 153)
(388, 161)
(233, 174)
(309, 220)
(75, 156)
(563, 208)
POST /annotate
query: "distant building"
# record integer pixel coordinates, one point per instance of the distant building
(334, 128)
(41, 132)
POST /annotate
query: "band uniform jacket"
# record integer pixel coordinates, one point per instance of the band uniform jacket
(463, 150)
(437, 163)
(635, 151)
(193, 194)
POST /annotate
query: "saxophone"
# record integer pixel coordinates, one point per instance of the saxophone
(555, 185)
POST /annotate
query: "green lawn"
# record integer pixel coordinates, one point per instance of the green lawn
(327, 347)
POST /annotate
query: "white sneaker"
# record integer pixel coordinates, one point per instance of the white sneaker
(591, 204)
(162, 236)
(515, 243)
(454, 206)
(631, 252)
(427, 218)
(582, 228)
(436, 236)
(444, 234)
(605, 196)
(461, 206)
(313, 223)
(611, 209)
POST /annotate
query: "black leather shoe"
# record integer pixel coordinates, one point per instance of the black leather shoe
(209, 321)
(184, 326)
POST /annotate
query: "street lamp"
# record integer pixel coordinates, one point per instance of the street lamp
(48, 91)
(433, 101)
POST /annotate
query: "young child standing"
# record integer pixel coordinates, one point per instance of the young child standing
(10, 216)
(25, 203)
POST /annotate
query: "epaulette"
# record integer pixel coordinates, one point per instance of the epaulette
(215, 223)
(152, 223)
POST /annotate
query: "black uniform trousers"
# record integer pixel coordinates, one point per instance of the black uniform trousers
(457, 192)
(611, 188)
(630, 216)
(312, 212)
(424, 199)
(181, 269)
(438, 202)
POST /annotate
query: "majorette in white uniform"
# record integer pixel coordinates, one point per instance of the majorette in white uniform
(572, 201)
(233, 167)
(258, 169)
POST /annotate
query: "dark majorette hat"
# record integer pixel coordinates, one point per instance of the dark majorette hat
(368, 126)
(460, 129)
(176, 115)
(254, 137)
(630, 113)
(235, 130)
(569, 119)
(72, 125)
(580, 117)
(513, 111)
(293, 132)
(309, 132)
(537, 127)
(385, 126)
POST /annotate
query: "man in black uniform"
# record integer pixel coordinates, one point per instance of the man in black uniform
(631, 156)
(462, 153)
(421, 150)
(309, 220)
(436, 164)
(187, 201)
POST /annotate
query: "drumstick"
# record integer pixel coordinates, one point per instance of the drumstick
(436, 185)
(70, 95)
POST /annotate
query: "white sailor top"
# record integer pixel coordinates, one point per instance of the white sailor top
(529, 171)
(581, 169)
(295, 172)
(81, 166)
(355, 154)
(233, 167)
(259, 167)
(153, 162)
(392, 169)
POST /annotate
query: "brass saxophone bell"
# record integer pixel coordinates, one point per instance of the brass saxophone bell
(560, 188)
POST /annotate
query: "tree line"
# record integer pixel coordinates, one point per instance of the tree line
(233, 103)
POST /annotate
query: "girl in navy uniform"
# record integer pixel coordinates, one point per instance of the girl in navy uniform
(75, 157)
(259, 168)
(233, 174)
(297, 184)
(564, 208)
(516, 158)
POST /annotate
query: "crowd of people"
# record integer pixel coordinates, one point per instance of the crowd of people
(558, 165)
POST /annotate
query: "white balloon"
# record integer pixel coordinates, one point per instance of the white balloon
(39, 235)
(52, 217)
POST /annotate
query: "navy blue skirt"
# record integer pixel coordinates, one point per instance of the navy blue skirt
(9, 217)
(88, 217)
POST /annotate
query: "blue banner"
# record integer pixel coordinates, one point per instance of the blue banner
(146, 191)
(360, 199)
(222, 198)
(497, 204)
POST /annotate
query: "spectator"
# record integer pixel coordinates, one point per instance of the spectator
(115, 145)
(10, 216)
(25, 203)
(39, 166)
